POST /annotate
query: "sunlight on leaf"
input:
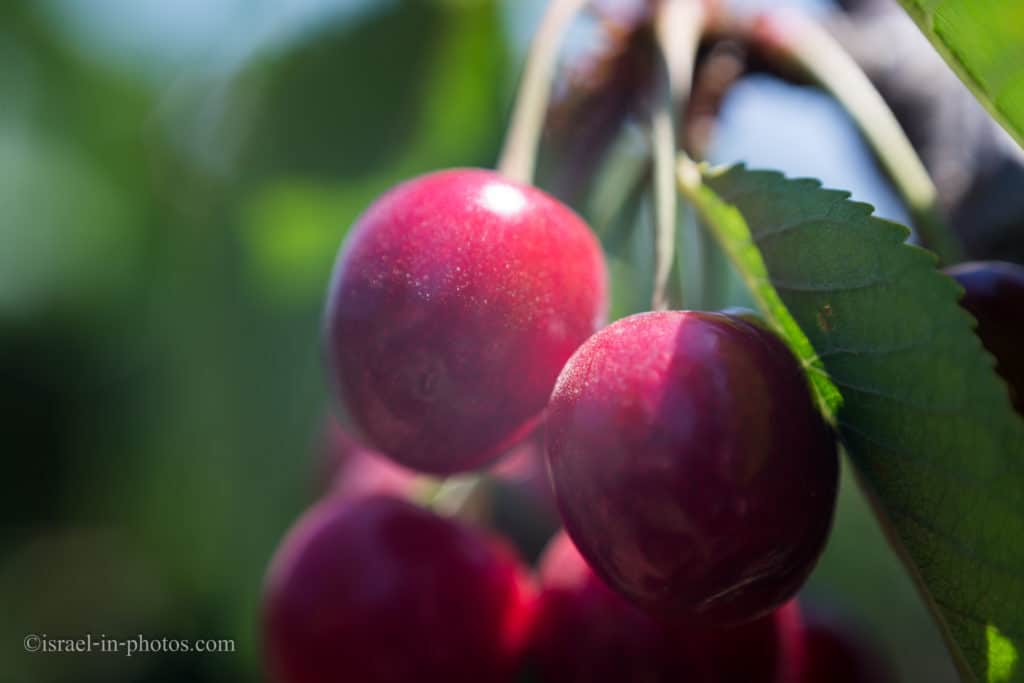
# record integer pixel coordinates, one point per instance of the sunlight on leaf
(984, 43)
(1002, 655)
(291, 232)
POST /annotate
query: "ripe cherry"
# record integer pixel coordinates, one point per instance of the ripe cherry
(691, 466)
(377, 589)
(994, 295)
(758, 651)
(587, 633)
(455, 302)
(832, 650)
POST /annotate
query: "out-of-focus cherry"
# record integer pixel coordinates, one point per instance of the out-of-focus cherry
(377, 589)
(833, 650)
(587, 633)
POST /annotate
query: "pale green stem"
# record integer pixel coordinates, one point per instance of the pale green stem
(678, 27)
(519, 154)
(454, 495)
(663, 145)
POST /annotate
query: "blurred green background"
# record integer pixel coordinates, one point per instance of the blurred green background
(175, 179)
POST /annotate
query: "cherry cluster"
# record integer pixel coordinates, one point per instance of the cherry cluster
(694, 474)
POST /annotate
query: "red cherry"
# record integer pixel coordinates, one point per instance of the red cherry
(758, 651)
(377, 589)
(994, 295)
(833, 651)
(455, 302)
(691, 466)
(587, 633)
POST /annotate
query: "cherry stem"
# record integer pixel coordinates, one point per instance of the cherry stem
(678, 27)
(663, 144)
(805, 44)
(519, 153)
(458, 496)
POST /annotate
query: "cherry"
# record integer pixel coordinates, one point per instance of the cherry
(350, 469)
(377, 589)
(832, 650)
(994, 295)
(691, 466)
(758, 651)
(456, 300)
(587, 633)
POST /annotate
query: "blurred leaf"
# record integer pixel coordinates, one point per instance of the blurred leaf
(857, 561)
(919, 408)
(75, 582)
(984, 43)
(291, 237)
(64, 97)
(67, 236)
(292, 226)
(343, 102)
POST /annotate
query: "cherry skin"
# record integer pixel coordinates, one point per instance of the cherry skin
(994, 295)
(377, 589)
(456, 300)
(691, 466)
(758, 651)
(587, 633)
(832, 650)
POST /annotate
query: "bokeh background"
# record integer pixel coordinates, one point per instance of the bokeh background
(175, 179)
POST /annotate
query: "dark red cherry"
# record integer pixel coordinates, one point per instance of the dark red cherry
(587, 633)
(691, 465)
(994, 295)
(456, 300)
(758, 651)
(832, 650)
(377, 589)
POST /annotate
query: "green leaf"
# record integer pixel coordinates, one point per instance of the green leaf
(984, 43)
(920, 411)
(294, 221)
(68, 237)
(354, 98)
(344, 101)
